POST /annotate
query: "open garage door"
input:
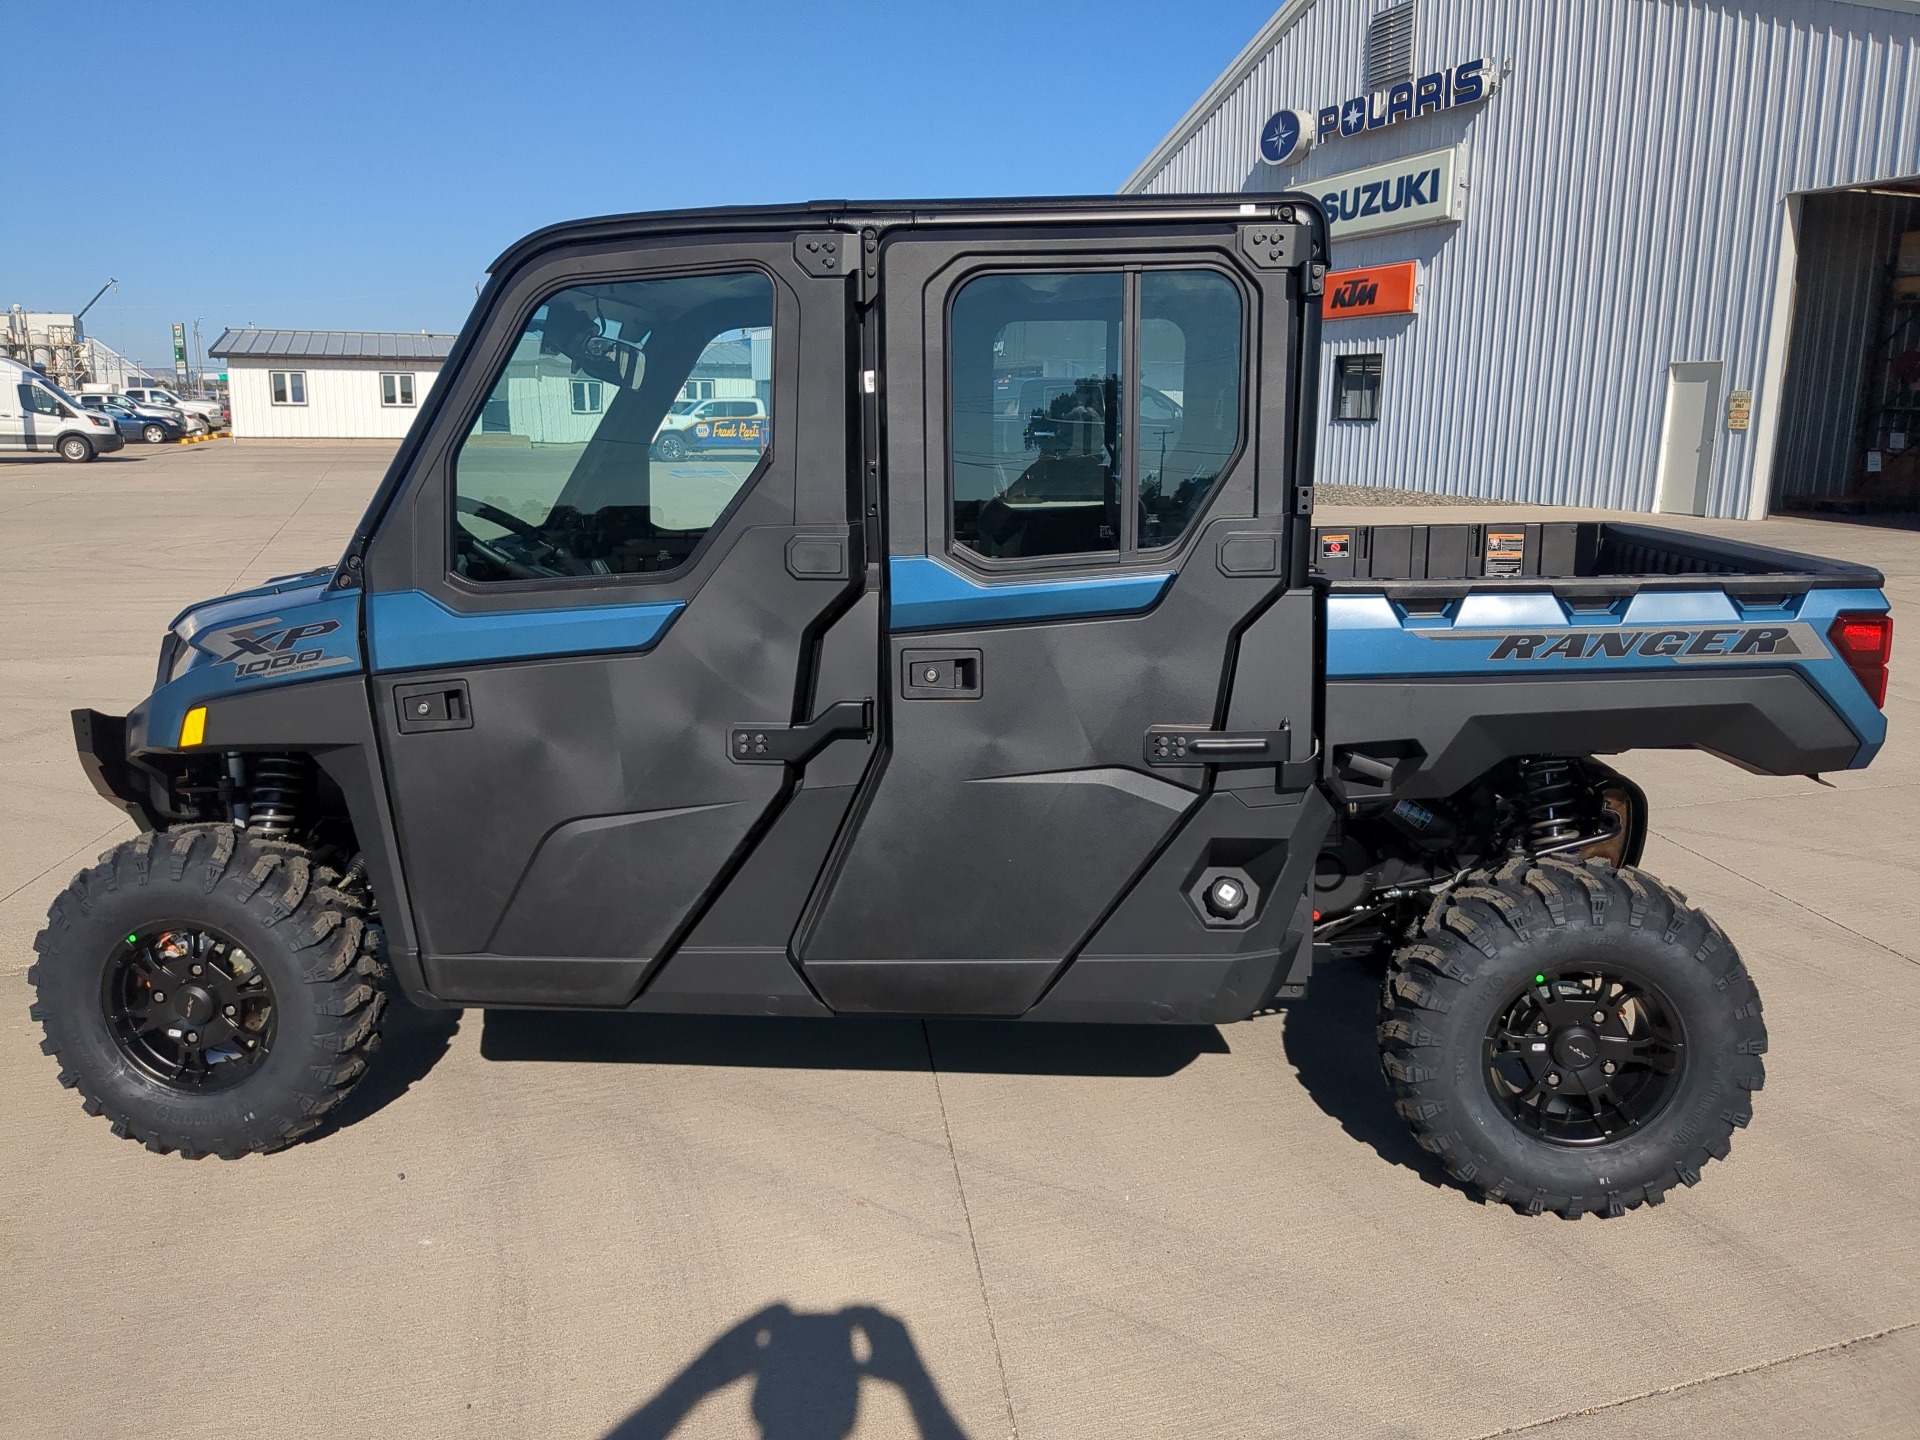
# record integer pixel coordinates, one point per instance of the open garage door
(1849, 439)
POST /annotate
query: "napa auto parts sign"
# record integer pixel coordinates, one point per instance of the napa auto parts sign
(1289, 134)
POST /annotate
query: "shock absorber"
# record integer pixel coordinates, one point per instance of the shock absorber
(1551, 801)
(279, 785)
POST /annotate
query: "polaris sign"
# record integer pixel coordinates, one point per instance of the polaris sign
(1284, 138)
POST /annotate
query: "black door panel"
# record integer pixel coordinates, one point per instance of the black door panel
(1014, 811)
(559, 845)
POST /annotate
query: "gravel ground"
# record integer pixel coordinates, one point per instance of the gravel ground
(1386, 495)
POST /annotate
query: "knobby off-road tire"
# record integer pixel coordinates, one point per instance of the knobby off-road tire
(305, 942)
(1459, 990)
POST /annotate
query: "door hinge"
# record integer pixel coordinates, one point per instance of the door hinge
(1170, 745)
(797, 744)
(831, 253)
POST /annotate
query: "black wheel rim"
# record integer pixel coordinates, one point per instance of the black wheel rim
(1584, 1055)
(189, 1007)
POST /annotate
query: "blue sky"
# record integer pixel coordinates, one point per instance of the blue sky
(358, 166)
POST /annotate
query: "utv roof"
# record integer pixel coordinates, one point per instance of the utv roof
(824, 213)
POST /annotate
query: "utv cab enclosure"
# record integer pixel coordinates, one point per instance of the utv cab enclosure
(1006, 676)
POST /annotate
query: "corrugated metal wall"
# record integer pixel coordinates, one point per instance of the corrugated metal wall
(1846, 242)
(1624, 212)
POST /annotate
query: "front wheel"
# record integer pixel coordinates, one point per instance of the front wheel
(154, 434)
(1572, 1038)
(671, 447)
(75, 447)
(208, 992)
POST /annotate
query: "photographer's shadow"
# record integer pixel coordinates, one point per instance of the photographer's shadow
(806, 1372)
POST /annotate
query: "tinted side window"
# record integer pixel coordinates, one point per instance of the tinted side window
(1189, 395)
(1035, 414)
(564, 478)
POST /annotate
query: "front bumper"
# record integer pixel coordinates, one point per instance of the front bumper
(102, 743)
(106, 443)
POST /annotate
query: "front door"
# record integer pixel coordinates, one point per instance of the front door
(579, 636)
(1089, 455)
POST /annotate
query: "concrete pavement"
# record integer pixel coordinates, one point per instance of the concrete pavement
(583, 1226)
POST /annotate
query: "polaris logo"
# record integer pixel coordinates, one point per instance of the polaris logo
(1727, 642)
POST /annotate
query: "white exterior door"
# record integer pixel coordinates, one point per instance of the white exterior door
(1686, 450)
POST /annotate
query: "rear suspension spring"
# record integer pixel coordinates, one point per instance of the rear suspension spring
(1551, 800)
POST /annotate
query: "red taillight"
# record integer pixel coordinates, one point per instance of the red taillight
(1865, 642)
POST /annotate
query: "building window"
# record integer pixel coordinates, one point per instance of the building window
(1389, 57)
(396, 389)
(587, 399)
(1356, 387)
(289, 386)
(697, 390)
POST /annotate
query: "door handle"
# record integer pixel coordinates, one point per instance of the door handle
(797, 744)
(442, 706)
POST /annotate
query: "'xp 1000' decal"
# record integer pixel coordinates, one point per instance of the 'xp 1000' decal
(267, 647)
(1689, 644)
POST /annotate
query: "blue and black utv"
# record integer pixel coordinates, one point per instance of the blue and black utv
(1012, 679)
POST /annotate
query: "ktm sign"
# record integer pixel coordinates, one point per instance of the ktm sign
(1374, 290)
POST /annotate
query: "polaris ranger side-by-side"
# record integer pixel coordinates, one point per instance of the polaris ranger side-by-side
(1010, 679)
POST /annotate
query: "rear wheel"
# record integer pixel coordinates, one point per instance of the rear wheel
(1572, 1038)
(75, 447)
(208, 992)
(154, 434)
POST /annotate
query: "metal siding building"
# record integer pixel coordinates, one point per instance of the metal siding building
(341, 389)
(1637, 194)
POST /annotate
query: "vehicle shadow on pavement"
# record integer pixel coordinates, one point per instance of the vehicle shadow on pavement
(959, 1046)
(1330, 1042)
(412, 1040)
(806, 1371)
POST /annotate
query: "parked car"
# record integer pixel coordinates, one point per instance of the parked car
(212, 415)
(191, 423)
(692, 425)
(36, 414)
(150, 423)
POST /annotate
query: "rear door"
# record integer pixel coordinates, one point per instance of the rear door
(579, 648)
(1090, 450)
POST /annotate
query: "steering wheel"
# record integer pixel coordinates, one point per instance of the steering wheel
(537, 566)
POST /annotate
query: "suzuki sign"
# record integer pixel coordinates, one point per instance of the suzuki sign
(1417, 190)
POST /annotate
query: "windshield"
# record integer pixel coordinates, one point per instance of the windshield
(680, 407)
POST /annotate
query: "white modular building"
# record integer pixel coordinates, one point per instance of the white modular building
(1646, 254)
(327, 384)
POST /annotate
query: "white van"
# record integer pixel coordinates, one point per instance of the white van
(36, 414)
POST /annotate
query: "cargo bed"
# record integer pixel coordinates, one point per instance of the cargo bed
(1448, 645)
(1574, 557)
